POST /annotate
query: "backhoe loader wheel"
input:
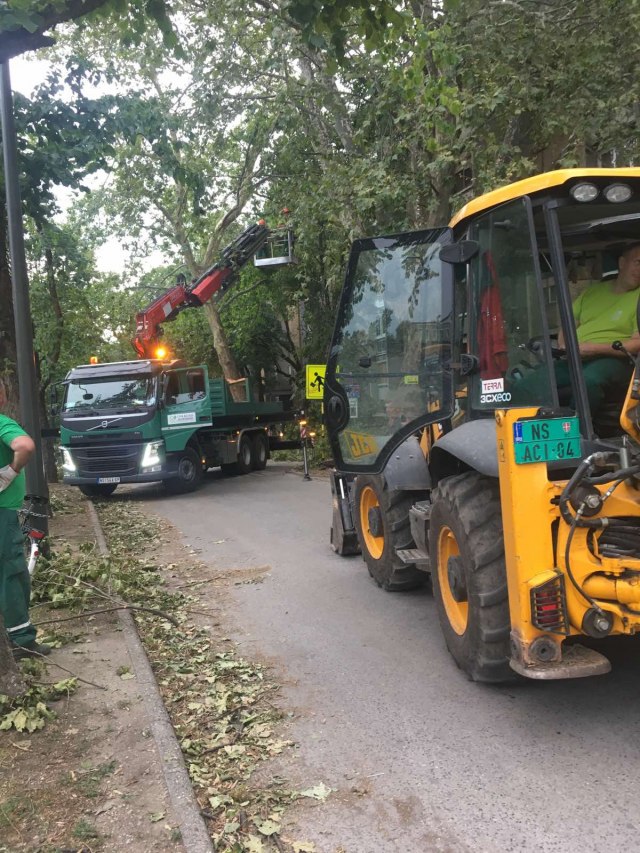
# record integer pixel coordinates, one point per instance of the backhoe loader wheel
(382, 522)
(469, 575)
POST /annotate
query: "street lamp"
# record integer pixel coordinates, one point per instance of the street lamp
(25, 358)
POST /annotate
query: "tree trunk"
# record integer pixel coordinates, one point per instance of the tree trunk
(227, 360)
(11, 680)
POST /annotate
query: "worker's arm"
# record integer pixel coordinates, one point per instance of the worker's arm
(23, 449)
(632, 345)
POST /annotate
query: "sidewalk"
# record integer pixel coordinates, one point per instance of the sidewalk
(93, 778)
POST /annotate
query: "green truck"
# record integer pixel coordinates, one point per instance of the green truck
(152, 420)
(148, 420)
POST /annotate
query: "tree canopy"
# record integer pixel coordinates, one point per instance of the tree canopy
(359, 118)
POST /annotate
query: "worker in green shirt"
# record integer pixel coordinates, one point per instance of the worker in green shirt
(606, 312)
(16, 448)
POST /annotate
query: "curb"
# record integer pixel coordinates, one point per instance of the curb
(195, 836)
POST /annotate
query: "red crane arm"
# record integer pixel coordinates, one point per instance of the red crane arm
(217, 278)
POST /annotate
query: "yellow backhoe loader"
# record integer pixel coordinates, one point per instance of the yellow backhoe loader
(469, 442)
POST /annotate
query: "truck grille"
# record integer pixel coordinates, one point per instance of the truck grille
(115, 459)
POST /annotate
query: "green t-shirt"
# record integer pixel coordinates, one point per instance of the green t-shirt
(603, 316)
(13, 496)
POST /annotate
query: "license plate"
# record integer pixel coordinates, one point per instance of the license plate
(106, 480)
(550, 440)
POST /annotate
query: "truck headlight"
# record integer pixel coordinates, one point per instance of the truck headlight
(151, 456)
(67, 461)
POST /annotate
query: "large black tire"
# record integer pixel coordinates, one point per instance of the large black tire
(190, 472)
(98, 490)
(466, 546)
(382, 523)
(244, 463)
(260, 451)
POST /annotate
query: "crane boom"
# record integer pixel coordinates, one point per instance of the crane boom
(217, 278)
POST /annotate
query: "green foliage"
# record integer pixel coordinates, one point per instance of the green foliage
(25, 24)
(30, 712)
(433, 102)
(85, 831)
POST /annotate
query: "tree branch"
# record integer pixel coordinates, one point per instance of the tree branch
(15, 42)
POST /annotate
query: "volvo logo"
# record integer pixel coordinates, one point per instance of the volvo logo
(104, 424)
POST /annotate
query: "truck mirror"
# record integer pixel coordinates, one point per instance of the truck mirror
(164, 384)
(460, 252)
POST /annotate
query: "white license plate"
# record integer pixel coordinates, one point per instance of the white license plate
(105, 480)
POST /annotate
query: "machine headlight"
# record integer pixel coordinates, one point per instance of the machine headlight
(617, 193)
(584, 191)
(151, 455)
(67, 461)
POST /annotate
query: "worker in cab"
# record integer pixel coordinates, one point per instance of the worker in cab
(606, 311)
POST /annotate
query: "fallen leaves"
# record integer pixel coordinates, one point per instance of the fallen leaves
(221, 705)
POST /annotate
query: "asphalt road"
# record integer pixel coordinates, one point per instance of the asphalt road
(420, 758)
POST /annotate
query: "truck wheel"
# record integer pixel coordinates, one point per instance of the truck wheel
(189, 470)
(98, 490)
(245, 456)
(469, 575)
(260, 451)
(382, 522)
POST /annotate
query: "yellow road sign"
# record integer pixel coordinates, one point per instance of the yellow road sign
(315, 381)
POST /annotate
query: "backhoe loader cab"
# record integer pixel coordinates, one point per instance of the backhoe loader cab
(458, 454)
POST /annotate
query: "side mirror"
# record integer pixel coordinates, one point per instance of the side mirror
(460, 252)
(162, 390)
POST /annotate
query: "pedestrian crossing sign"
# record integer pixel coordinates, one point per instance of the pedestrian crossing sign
(315, 381)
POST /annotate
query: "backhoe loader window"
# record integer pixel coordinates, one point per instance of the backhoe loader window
(510, 331)
(394, 343)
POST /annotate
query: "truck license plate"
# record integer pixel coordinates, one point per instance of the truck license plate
(105, 480)
(546, 440)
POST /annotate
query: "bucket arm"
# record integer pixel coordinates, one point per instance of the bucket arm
(214, 280)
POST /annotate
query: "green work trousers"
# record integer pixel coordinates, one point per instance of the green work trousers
(15, 584)
(604, 377)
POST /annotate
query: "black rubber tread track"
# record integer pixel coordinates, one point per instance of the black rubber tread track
(388, 571)
(469, 504)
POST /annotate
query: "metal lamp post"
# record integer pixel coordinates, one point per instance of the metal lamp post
(27, 382)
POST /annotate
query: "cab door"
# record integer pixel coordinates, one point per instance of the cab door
(389, 367)
(186, 404)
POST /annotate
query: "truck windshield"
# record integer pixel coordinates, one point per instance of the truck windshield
(131, 393)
